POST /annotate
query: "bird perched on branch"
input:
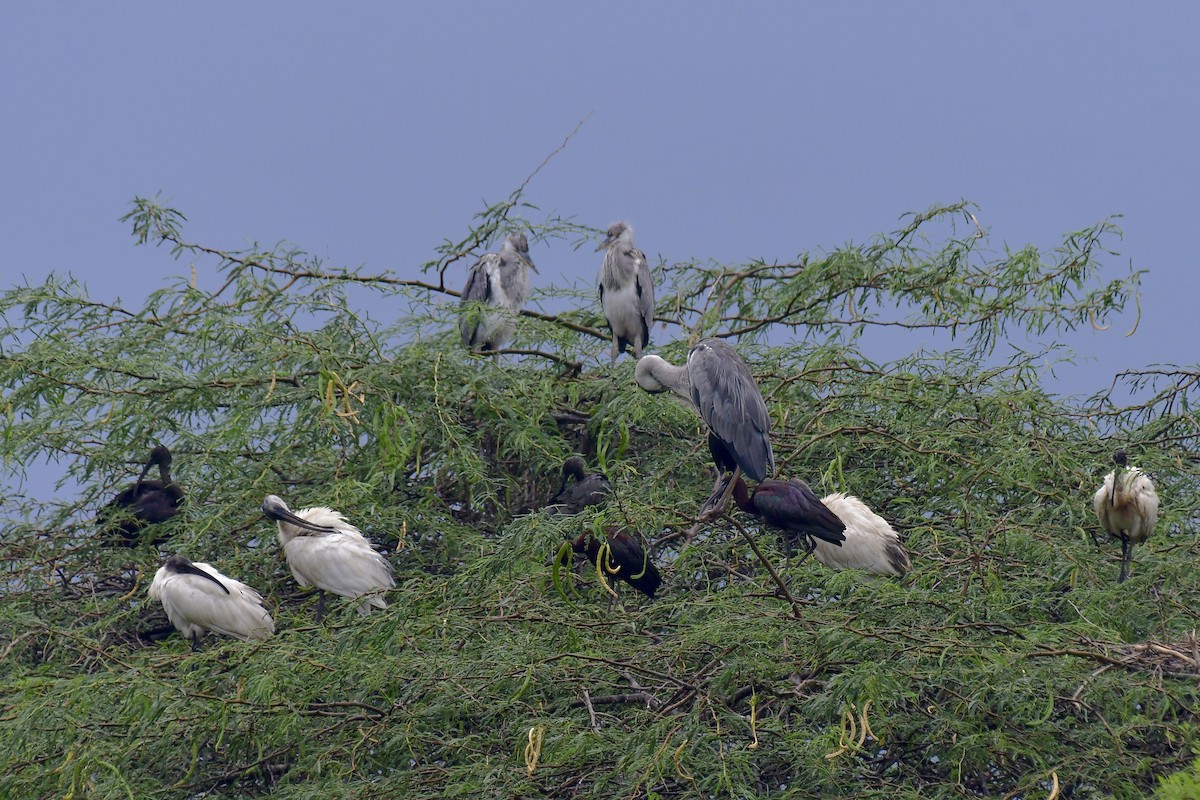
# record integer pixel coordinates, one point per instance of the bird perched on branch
(198, 598)
(1127, 507)
(146, 502)
(501, 282)
(791, 507)
(626, 291)
(326, 551)
(718, 384)
(579, 488)
(871, 544)
(621, 555)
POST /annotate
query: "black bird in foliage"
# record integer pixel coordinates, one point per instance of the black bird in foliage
(146, 502)
(622, 556)
(791, 507)
(579, 488)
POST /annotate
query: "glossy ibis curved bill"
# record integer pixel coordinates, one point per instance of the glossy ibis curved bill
(326, 551)
(718, 384)
(501, 282)
(626, 291)
(146, 502)
(198, 598)
(620, 554)
(579, 488)
(1127, 507)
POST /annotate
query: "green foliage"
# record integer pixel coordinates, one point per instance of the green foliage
(1008, 663)
(1184, 785)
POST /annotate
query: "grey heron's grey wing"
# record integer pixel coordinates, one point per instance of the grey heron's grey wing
(645, 292)
(731, 405)
(514, 282)
(477, 290)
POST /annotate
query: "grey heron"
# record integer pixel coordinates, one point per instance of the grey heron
(718, 384)
(626, 291)
(198, 598)
(326, 551)
(579, 488)
(146, 502)
(500, 281)
(1127, 507)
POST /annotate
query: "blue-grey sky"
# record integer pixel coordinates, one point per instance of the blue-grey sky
(368, 132)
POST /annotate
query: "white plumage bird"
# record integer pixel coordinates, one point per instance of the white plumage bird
(198, 598)
(871, 544)
(326, 551)
(1127, 507)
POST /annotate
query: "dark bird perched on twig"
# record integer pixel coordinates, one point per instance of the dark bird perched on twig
(1127, 507)
(791, 507)
(718, 384)
(146, 502)
(621, 555)
(579, 488)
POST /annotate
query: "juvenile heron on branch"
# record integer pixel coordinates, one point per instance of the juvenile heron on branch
(626, 291)
(501, 282)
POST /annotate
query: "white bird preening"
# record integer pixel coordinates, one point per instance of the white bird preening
(326, 551)
(718, 384)
(198, 598)
(1127, 507)
(501, 281)
(626, 291)
(871, 544)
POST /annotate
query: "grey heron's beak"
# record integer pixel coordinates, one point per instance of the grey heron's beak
(276, 509)
(608, 241)
(529, 261)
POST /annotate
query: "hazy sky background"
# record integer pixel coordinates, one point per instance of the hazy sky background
(369, 132)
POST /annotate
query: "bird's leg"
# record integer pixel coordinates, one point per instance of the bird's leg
(196, 643)
(1126, 557)
(615, 351)
(717, 502)
(321, 605)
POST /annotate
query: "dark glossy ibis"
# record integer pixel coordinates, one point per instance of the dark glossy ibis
(579, 488)
(146, 502)
(621, 555)
(791, 507)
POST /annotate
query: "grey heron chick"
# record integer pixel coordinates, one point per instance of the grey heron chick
(1127, 507)
(626, 291)
(718, 384)
(501, 282)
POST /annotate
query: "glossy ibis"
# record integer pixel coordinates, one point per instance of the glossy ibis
(791, 507)
(146, 502)
(621, 555)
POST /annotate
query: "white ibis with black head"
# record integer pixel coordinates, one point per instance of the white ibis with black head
(1127, 507)
(870, 545)
(326, 551)
(718, 384)
(198, 598)
(146, 502)
(626, 291)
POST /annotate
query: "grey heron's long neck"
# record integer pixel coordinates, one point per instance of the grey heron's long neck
(674, 378)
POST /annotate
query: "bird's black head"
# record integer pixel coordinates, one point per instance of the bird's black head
(1120, 459)
(573, 467)
(159, 454)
